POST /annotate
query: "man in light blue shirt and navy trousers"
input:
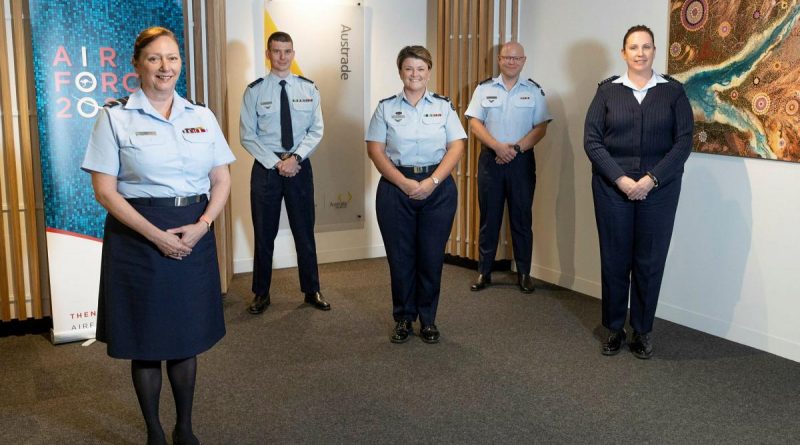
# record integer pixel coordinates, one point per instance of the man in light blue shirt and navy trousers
(509, 116)
(281, 125)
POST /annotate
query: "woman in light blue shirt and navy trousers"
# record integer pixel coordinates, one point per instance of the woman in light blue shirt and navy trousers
(415, 139)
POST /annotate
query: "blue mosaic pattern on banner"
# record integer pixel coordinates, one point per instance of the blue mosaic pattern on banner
(81, 57)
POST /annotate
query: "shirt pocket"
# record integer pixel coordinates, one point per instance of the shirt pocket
(198, 152)
(303, 104)
(143, 148)
(433, 118)
(524, 101)
(491, 101)
(266, 108)
(397, 119)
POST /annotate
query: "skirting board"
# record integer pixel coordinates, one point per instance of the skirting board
(577, 284)
(329, 256)
(730, 331)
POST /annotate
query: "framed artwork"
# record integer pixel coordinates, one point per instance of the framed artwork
(738, 61)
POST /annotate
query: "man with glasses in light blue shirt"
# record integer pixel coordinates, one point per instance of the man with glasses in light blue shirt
(509, 116)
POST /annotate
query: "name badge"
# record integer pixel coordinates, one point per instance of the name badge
(195, 130)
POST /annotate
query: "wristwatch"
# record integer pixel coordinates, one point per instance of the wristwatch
(517, 148)
(435, 180)
(297, 156)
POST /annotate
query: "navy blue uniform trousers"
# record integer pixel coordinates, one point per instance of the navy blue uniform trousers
(267, 189)
(415, 233)
(634, 240)
(497, 183)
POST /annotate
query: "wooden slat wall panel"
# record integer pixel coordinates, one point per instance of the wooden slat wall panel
(7, 142)
(216, 42)
(29, 155)
(467, 49)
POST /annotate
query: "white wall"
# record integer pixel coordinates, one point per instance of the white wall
(733, 266)
(390, 25)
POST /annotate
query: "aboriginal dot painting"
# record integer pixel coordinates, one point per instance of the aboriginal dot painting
(738, 61)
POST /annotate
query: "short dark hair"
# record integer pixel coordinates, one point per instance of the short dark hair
(414, 52)
(637, 28)
(147, 36)
(278, 36)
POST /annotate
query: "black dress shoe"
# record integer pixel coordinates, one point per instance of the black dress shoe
(429, 334)
(259, 304)
(614, 343)
(642, 346)
(178, 440)
(401, 331)
(526, 283)
(315, 299)
(481, 283)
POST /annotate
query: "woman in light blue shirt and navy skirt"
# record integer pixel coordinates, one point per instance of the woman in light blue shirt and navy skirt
(415, 139)
(159, 165)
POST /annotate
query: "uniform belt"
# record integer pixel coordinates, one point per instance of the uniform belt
(178, 201)
(417, 169)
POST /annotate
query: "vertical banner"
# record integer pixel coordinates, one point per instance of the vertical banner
(82, 58)
(329, 49)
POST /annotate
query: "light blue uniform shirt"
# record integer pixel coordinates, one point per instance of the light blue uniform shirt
(260, 118)
(415, 136)
(639, 94)
(152, 156)
(508, 115)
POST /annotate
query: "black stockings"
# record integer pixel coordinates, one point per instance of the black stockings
(147, 383)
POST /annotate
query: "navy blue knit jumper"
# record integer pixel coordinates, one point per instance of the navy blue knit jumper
(622, 137)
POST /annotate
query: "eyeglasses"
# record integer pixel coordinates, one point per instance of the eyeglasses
(512, 58)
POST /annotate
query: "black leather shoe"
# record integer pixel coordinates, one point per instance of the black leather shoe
(401, 331)
(614, 343)
(259, 304)
(525, 283)
(318, 301)
(190, 440)
(481, 283)
(429, 334)
(642, 346)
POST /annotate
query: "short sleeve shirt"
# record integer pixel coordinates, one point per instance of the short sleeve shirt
(415, 136)
(509, 114)
(152, 156)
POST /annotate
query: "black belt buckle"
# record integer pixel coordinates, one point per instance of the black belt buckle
(422, 169)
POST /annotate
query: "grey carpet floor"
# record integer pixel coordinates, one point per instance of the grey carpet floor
(511, 368)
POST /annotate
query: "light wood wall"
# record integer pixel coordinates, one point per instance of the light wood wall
(23, 254)
(468, 35)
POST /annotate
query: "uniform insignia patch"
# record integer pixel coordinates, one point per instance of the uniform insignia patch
(195, 130)
(491, 98)
(612, 78)
(398, 116)
(255, 82)
(115, 102)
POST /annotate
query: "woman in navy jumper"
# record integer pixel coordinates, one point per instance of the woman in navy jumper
(638, 135)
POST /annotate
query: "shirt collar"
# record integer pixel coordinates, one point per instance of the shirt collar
(654, 79)
(499, 81)
(428, 96)
(276, 79)
(138, 101)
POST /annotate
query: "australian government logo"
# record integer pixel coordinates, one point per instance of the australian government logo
(342, 200)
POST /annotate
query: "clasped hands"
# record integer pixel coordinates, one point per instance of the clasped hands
(635, 190)
(418, 189)
(504, 153)
(288, 167)
(177, 243)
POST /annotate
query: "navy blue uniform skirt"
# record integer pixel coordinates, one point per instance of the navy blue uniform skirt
(152, 307)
